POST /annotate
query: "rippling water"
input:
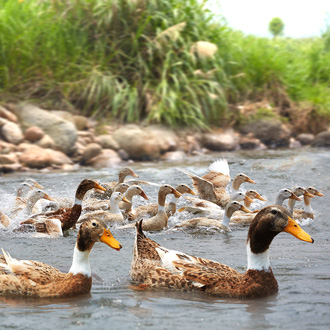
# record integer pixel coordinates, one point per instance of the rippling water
(301, 269)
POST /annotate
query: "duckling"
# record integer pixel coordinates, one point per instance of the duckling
(159, 221)
(109, 217)
(28, 278)
(155, 266)
(231, 207)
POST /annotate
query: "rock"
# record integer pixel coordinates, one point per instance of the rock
(91, 151)
(46, 142)
(173, 156)
(63, 132)
(64, 115)
(4, 113)
(7, 148)
(144, 144)
(322, 140)
(123, 154)
(7, 168)
(34, 133)
(222, 141)
(107, 158)
(294, 143)
(305, 138)
(107, 142)
(8, 159)
(11, 132)
(36, 157)
(87, 136)
(249, 141)
(81, 122)
(270, 131)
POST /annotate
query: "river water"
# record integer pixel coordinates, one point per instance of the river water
(301, 269)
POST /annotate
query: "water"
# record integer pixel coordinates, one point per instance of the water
(301, 269)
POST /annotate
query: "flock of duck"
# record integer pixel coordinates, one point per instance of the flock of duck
(96, 207)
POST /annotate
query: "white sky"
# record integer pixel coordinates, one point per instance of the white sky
(301, 18)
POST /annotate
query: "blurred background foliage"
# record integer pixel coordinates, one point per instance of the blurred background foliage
(157, 61)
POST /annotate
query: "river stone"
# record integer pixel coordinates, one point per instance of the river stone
(173, 156)
(220, 141)
(305, 138)
(91, 151)
(6, 114)
(46, 142)
(8, 159)
(106, 159)
(11, 132)
(271, 132)
(34, 133)
(107, 142)
(322, 140)
(64, 115)
(63, 132)
(249, 141)
(36, 157)
(81, 122)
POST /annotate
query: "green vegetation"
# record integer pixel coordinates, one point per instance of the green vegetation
(134, 60)
(276, 27)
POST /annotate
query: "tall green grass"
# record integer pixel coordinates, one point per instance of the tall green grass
(131, 60)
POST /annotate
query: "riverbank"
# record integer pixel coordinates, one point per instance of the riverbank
(32, 138)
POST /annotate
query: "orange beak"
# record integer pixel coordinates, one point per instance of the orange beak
(134, 174)
(97, 186)
(249, 180)
(317, 193)
(109, 240)
(176, 193)
(47, 197)
(191, 192)
(258, 196)
(293, 196)
(244, 209)
(144, 195)
(125, 199)
(308, 194)
(294, 229)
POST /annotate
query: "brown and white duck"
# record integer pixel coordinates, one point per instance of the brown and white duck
(154, 266)
(170, 208)
(28, 278)
(112, 216)
(159, 221)
(67, 216)
(220, 222)
(213, 185)
(308, 194)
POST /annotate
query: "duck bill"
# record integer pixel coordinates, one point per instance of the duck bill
(247, 200)
(125, 200)
(293, 196)
(176, 193)
(308, 194)
(294, 229)
(143, 194)
(98, 187)
(109, 240)
(48, 197)
(134, 174)
(258, 196)
(39, 186)
(317, 193)
(191, 192)
(244, 209)
(249, 180)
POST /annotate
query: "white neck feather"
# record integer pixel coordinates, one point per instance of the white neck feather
(259, 261)
(161, 208)
(114, 207)
(78, 201)
(308, 208)
(174, 199)
(80, 263)
(225, 221)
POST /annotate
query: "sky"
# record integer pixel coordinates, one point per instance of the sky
(301, 18)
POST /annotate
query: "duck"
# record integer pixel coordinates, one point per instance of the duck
(211, 210)
(67, 216)
(4, 220)
(307, 212)
(154, 266)
(244, 218)
(212, 186)
(110, 217)
(110, 186)
(94, 204)
(231, 207)
(22, 192)
(170, 208)
(160, 220)
(28, 278)
(134, 190)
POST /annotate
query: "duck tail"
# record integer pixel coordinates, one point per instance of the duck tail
(139, 230)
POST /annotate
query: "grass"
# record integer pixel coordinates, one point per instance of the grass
(134, 61)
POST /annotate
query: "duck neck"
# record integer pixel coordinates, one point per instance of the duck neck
(30, 204)
(80, 262)
(307, 205)
(226, 218)
(77, 201)
(129, 194)
(174, 200)
(279, 200)
(161, 202)
(257, 261)
(236, 185)
(291, 203)
(114, 205)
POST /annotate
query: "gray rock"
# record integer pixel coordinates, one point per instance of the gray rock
(107, 142)
(11, 132)
(63, 132)
(322, 140)
(305, 138)
(222, 141)
(81, 122)
(91, 151)
(173, 156)
(250, 142)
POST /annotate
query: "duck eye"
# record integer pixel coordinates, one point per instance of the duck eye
(94, 224)
(274, 212)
